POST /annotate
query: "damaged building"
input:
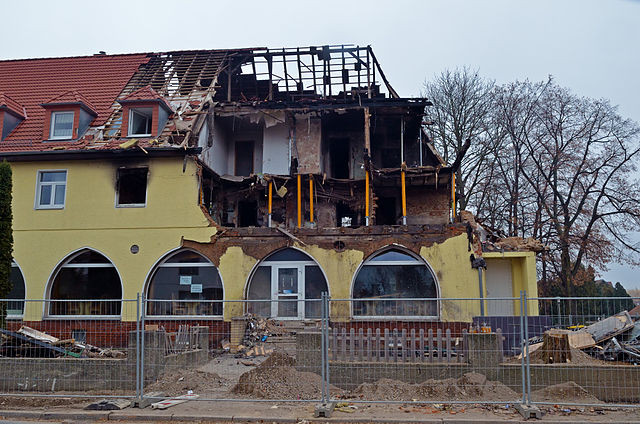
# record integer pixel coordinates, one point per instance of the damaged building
(252, 175)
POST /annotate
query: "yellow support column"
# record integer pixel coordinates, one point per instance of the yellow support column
(404, 198)
(270, 203)
(299, 201)
(366, 198)
(311, 198)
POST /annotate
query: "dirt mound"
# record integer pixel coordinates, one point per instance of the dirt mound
(276, 378)
(564, 392)
(578, 357)
(471, 386)
(179, 382)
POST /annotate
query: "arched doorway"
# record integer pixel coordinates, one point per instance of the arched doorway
(291, 283)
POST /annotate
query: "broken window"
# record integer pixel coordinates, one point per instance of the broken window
(140, 121)
(386, 211)
(14, 306)
(86, 275)
(132, 187)
(180, 281)
(394, 275)
(244, 158)
(247, 213)
(289, 283)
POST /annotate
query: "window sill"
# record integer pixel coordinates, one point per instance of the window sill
(138, 135)
(133, 205)
(46, 208)
(83, 317)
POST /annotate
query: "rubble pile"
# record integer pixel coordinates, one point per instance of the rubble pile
(470, 386)
(257, 332)
(31, 343)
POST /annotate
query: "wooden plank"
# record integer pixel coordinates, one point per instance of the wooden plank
(38, 335)
(360, 344)
(377, 346)
(422, 344)
(368, 344)
(352, 347)
(395, 345)
(344, 344)
(412, 339)
(39, 343)
(404, 344)
(448, 344)
(387, 340)
(439, 343)
(164, 404)
(430, 345)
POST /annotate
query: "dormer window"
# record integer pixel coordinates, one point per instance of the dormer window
(61, 125)
(140, 122)
(144, 113)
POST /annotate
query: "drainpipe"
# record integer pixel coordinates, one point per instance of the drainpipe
(479, 264)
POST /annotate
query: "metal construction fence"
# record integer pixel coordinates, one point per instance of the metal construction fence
(570, 351)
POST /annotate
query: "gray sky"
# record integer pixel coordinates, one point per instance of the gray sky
(587, 45)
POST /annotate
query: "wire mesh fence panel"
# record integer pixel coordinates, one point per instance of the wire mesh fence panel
(584, 351)
(77, 347)
(426, 350)
(241, 350)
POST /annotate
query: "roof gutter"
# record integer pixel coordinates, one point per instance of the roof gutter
(53, 155)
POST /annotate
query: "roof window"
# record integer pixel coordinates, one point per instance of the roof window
(140, 122)
(61, 125)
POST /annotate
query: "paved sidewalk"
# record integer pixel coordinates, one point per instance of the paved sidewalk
(272, 412)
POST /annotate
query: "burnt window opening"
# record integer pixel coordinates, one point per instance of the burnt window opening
(386, 213)
(132, 187)
(247, 213)
(244, 158)
(391, 157)
(339, 157)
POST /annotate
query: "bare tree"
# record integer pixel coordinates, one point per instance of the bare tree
(461, 101)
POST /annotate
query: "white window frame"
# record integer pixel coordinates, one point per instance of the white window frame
(146, 189)
(130, 124)
(53, 185)
(53, 121)
(14, 264)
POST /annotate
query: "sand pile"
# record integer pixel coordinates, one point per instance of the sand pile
(578, 357)
(564, 392)
(179, 382)
(277, 378)
(471, 386)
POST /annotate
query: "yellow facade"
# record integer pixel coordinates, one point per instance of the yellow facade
(44, 238)
(90, 219)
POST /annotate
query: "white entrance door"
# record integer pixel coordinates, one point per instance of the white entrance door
(287, 289)
(499, 284)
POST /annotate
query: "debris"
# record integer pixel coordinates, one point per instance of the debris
(147, 400)
(129, 143)
(610, 327)
(168, 403)
(108, 405)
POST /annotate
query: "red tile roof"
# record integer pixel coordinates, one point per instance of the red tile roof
(69, 97)
(145, 93)
(99, 79)
(7, 102)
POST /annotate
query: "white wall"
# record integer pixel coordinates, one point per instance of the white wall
(275, 150)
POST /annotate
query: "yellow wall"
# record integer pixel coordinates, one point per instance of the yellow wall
(523, 277)
(44, 238)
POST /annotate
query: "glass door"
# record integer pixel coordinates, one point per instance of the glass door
(288, 291)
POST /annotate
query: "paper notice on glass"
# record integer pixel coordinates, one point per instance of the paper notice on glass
(196, 288)
(185, 280)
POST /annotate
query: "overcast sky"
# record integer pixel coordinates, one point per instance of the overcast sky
(589, 46)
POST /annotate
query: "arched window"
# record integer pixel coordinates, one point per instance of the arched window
(182, 279)
(87, 283)
(390, 276)
(15, 308)
(291, 282)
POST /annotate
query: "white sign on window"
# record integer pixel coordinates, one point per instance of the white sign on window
(185, 280)
(196, 288)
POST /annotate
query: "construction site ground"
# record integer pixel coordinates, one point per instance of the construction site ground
(275, 412)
